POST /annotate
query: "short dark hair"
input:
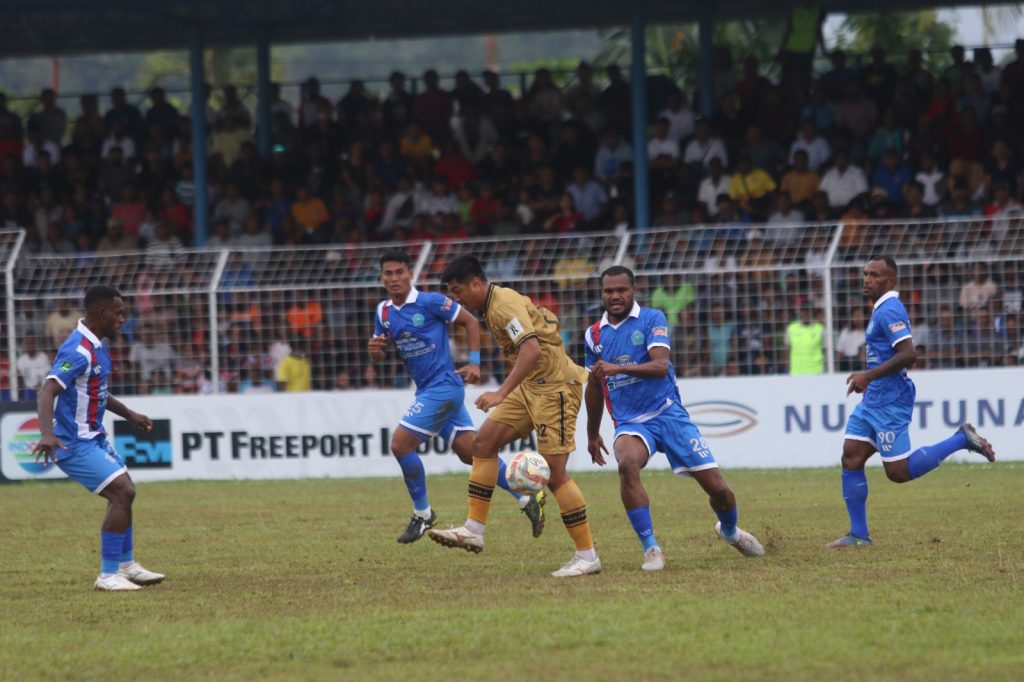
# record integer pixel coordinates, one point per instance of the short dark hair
(462, 269)
(99, 295)
(396, 257)
(616, 270)
(888, 261)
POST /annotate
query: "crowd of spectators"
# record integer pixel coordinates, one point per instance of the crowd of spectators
(886, 141)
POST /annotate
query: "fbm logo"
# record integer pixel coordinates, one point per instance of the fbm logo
(142, 449)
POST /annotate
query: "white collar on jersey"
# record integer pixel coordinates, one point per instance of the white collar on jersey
(885, 297)
(87, 333)
(411, 298)
(635, 312)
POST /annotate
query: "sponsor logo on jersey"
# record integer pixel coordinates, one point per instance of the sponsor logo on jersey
(637, 338)
(418, 320)
(659, 331)
(447, 305)
(65, 366)
(897, 326)
(514, 328)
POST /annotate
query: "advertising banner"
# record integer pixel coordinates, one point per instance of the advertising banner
(749, 422)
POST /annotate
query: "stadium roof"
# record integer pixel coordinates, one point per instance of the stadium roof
(47, 27)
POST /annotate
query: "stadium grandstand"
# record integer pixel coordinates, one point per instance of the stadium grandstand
(761, 214)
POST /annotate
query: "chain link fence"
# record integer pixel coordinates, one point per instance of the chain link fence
(206, 321)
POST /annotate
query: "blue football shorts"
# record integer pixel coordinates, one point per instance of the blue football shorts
(887, 427)
(92, 463)
(438, 411)
(673, 433)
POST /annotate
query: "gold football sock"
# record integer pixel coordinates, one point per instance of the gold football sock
(482, 479)
(574, 514)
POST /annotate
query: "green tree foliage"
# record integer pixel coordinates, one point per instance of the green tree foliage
(897, 33)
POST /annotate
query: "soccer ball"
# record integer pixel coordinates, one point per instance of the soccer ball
(527, 472)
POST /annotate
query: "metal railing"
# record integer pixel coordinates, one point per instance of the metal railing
(211, 321)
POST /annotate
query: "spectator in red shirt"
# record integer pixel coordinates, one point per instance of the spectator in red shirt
(433, 106)
(484, 209)
(967, 140)
(453, 165)
(753, 87)
(566, 219)
(130, 210)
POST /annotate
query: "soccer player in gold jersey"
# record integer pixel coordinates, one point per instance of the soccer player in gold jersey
(542, 393)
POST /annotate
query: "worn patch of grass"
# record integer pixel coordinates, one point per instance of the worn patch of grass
(303, 580)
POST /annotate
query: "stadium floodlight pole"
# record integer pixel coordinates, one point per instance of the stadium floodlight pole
(421, 261)
(197, 77)
(211, 295)
(263, 123)
(12, 332)
(638, 87)
(830, 255)
(705, 76)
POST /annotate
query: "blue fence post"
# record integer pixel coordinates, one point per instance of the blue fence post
(638, 87)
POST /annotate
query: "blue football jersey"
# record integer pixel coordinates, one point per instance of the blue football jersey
(629, 398)
(82, 368)
(889, 326)
(419, 330)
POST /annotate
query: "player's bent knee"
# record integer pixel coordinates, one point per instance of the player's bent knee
(121, 491)
(898, 474)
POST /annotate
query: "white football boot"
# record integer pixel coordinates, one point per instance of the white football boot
(460, 537)
(578, 566)
(115, 583)
(746, 544)
(139, 575)
(654, 560)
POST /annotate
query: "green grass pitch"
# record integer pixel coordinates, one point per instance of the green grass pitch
(304, 580)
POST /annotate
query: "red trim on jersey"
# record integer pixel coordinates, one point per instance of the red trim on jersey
(595, 336)
(93, 391)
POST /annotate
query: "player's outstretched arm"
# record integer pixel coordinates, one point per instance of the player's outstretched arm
(48, 444)
(139, 421)
(594, 397)
(526, 361)
(470, 373)
(906, 356)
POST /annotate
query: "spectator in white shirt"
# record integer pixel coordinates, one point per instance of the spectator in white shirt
(932, 179)
(703, 147)
(851, 341)
(118, 138)
(715, 184)
(612, 156)
(33, 366)
(843, 182)
(680, 117)
(817, 148)
(661, 147)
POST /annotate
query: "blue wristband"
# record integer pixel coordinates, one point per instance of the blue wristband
(474, 357)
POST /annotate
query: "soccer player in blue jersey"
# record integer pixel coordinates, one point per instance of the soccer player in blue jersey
(73, 436)
(416, 323)
(627, 353)
(880, 423)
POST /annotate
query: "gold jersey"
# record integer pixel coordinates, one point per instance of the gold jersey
(512, 319)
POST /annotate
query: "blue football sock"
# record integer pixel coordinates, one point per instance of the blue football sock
(127, 555)
(728, 520)
(110, 552)
(415, 480)
(641, 520)
(923, 460)
(855, 494)
(502, 481)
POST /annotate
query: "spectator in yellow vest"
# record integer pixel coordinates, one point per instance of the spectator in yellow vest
(293, 372)
(804, 339)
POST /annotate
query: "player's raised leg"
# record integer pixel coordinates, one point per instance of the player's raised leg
(404, 442)
(532, 506)
(723, 503)
(632, 455)
(925, 459)
(857, 450)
